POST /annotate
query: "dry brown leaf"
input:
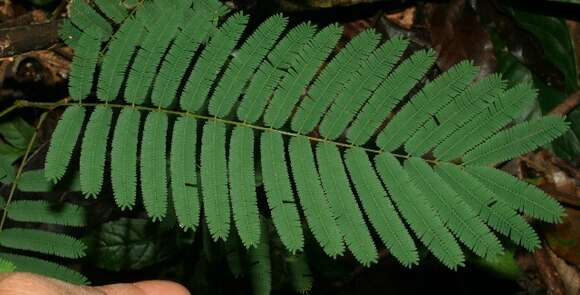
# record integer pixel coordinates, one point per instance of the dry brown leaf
(404, 19)
(568, 274)
(564, 238)
(457, 35)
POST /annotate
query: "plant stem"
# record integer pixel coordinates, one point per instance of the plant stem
(67, 102)
(20, 169)
(9, 110)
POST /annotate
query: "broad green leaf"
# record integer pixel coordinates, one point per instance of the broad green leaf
(16, 132)
(34, 181)
(128, 244)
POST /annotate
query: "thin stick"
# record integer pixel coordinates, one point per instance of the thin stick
(20, 169)
(67, 102)
(9, 110)
(570, 103)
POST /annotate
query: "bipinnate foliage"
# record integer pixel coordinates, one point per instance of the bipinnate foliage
(43, 241)
(260, 99)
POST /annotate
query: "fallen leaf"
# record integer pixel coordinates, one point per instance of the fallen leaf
(457, 34)
(404, 19)
(564, 238)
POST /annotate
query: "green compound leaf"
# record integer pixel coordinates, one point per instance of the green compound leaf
(260, 265)
(421, 218)
(279, 193)
(496, 213)
(83, 67)
(214, 180)
(183, 168)
(64, 140)
(379, 209)
(41, 211)
(518, 140)
(124, 157)
(43, 242)
(93, 151)
(154, 166)
(45, 268)
(341, 199)
(518, 194)
(321, 219)
(243, 186)
(461, 220)
(300, 273)
(296, 91)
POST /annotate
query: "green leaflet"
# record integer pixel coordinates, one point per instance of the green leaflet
(341, 199)
(6, 266)
(243, 186)
(333, 79)
(420, 216)
(320, 217)
(456, 114)
(41, 211)
(461, 220)
(69, 33)
(243, 65)
(271, 71)
(388, 95)
(379, 209)
(17, 133)
(117, 58)
(154, 45)
(365, 81)
(498, 113)
(473, 100)
(183, 168)
(303, 68)
(214, 180)
(260, 264)
(431, 99)
(84, 17)
(214, 7)
(211, 60)
(42, 242)
(300, 274)
(279, 192)
(233, 251)
(154, 168)
(7, 173)
(124, 157)
(515, 141)
(114, 10)
(46, 268)
(63, 142)
(83, 67)
(93, 151)
(493, 211)
(178, 58)
(519, 195)
(34, 181)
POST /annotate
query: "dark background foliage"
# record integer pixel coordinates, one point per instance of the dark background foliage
(527, 41)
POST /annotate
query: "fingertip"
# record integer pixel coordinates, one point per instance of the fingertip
(161, 287)
(155, 287)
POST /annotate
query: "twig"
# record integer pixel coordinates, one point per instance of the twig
(67, 102)
(59, 9)
(21, 168)
(20, 39)
(9, 110)
(548, 273)
(567, 105)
